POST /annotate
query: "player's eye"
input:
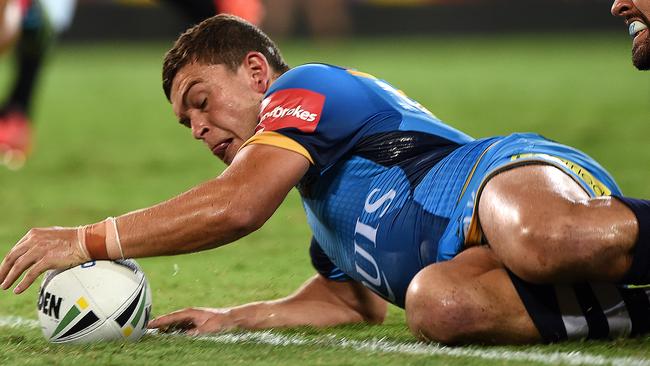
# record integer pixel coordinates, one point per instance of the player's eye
(204, 104)
(185, 122)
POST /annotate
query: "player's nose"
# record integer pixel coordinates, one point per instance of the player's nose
(199, 129)
(621, 7)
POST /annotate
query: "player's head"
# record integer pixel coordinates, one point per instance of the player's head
(637, 18)
(222, 39)
(216, 75)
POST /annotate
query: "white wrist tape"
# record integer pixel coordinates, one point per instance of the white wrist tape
(81, 240)
(113, 243)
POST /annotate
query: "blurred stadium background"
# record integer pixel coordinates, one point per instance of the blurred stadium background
(148, 19)
(106, 142)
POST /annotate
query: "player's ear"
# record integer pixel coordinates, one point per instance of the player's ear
(258, 70)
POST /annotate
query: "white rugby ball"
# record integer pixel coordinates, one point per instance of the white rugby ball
(96, 301)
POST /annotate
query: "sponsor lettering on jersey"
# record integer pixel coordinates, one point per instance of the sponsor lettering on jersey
(599, 188)
(291, 108)
(365, 264)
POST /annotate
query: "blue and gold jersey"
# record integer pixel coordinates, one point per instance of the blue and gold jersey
(391, 188)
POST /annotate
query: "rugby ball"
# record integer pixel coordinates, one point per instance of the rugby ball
(96, 301)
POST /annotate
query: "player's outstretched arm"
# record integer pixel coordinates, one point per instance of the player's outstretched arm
(214, 213)
(319, 302)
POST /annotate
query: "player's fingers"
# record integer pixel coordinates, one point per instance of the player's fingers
(18, 250)
(9, 260)
(171, 318)
(171, 325)
(19, 266)
(27, 235)
(215, 324)
(183, 317)
(31, 276)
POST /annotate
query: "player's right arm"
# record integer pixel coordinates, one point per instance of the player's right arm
(212, 214)
(319, 302)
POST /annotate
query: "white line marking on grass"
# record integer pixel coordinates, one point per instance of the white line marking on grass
(17, 322)
(419, 348)
(386, 346)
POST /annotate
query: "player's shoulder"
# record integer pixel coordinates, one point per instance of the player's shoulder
(312, 71)
(318, 77)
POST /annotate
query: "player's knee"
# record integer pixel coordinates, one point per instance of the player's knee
(437, 311)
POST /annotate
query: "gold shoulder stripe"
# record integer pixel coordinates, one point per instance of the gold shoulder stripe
(362, 74)
(279, 140)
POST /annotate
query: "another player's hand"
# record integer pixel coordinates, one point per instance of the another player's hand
(38, 251)
(195, 321)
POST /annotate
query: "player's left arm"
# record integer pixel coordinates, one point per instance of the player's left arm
(217, 212)
(319, 302)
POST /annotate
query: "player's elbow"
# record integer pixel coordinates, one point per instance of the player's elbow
(375, 316)
(233, 223)
(244, 221)
(373, 311)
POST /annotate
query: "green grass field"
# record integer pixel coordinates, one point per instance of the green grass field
(107, 143)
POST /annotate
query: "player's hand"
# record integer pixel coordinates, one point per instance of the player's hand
(38, 251)
(194, 321)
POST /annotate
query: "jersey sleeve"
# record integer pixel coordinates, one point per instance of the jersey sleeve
(324, 265)
(319, 111)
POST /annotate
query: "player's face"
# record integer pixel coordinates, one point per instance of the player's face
(637, 18)
(219, 106)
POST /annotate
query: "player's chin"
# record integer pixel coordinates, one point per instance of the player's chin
(641, 55)
(232, 150)
(229, 154)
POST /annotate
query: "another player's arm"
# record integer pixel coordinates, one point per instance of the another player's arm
(214, 213)
(319, 302)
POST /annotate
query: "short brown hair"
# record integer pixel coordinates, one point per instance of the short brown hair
(222, 39)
